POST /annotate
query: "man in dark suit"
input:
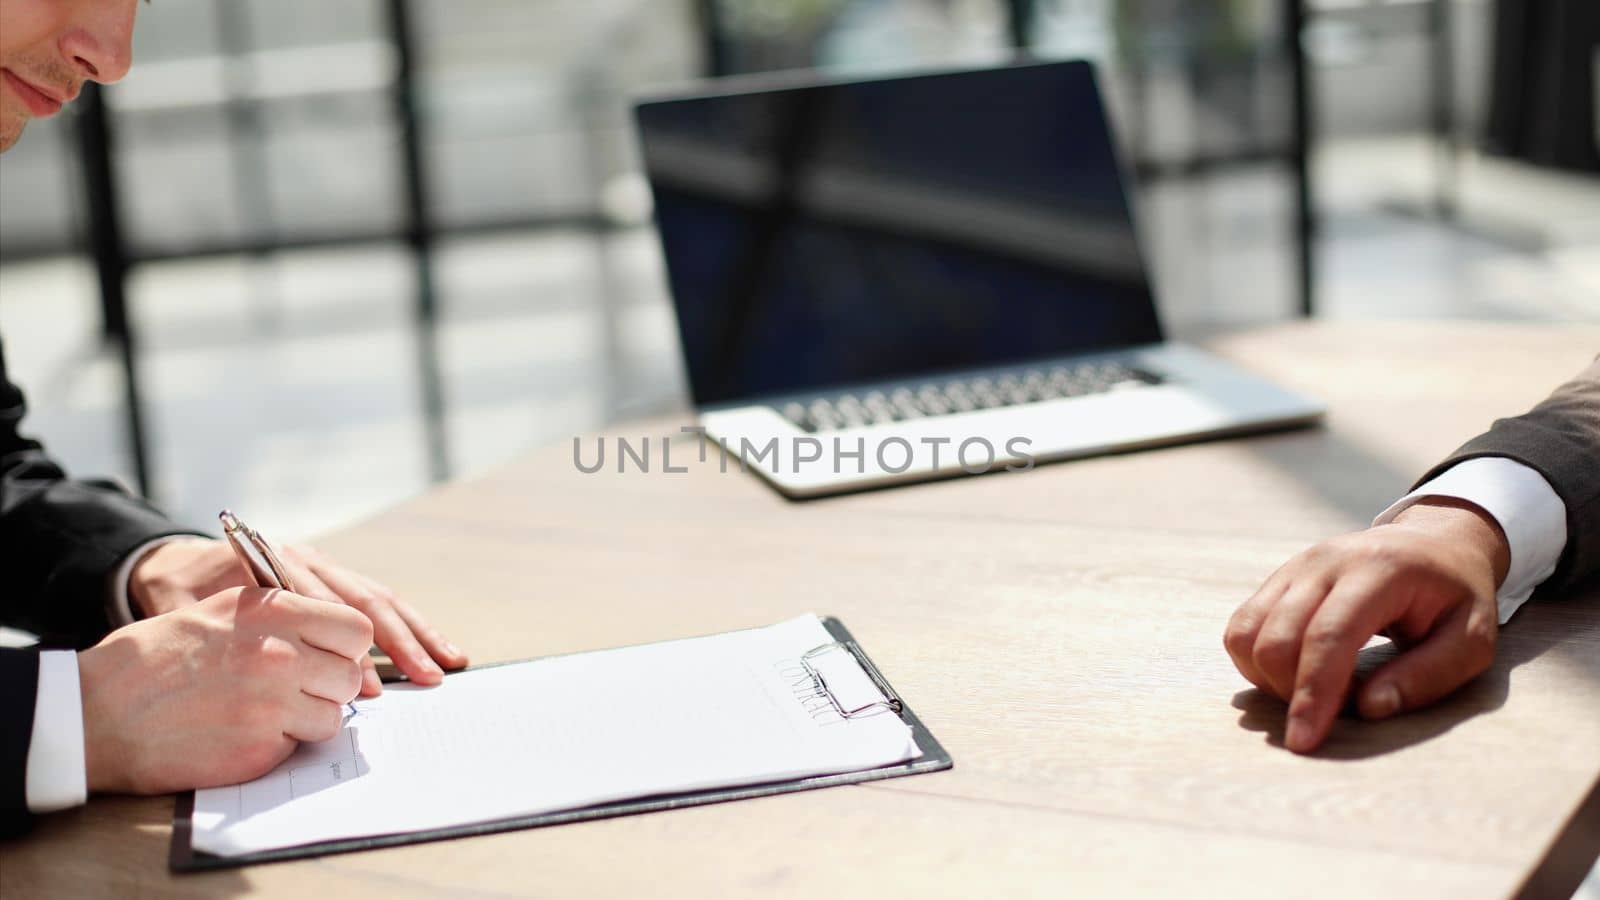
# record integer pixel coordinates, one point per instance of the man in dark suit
(1515, 509)
(172, 675)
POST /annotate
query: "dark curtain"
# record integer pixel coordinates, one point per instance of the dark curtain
(1542, 98)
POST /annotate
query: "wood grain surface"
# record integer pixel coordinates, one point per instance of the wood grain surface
(1060, 630)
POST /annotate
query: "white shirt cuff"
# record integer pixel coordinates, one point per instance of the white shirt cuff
(1528, 509)
(119, 606)
(56, 777)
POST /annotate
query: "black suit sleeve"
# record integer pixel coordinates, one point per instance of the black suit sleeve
(60, 539)
(1559, 439)
(19, 676)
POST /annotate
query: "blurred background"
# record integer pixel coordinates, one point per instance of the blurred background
(355, 248)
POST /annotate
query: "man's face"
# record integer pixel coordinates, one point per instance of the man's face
(49, 48)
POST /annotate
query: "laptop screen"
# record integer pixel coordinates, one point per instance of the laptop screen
(839, 233)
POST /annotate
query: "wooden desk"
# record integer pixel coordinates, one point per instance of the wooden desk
(1060, 631)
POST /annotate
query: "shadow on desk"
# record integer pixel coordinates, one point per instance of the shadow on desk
(1341, 473)
(128, 837)
(1564, 627)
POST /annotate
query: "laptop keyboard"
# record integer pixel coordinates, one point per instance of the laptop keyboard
(964, 395)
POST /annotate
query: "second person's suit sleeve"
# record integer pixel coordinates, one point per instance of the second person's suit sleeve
(1559, 439)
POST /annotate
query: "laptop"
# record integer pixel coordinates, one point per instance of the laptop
(895, 279)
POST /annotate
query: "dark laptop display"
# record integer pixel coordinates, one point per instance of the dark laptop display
(836, 233)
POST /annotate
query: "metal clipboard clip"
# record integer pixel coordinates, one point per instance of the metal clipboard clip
(891, 701)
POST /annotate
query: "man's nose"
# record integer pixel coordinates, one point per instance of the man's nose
(102, 50)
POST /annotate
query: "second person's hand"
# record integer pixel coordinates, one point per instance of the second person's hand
(1427, 580)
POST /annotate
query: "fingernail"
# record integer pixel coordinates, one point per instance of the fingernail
(452, 649)
(1298, 736)
(1382, 702)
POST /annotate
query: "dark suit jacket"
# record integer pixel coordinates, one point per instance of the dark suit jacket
(60, 540)
(1559, 439)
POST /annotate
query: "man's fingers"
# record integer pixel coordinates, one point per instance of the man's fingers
(392, 632)
(1244, 638)
(1353, 612)
(1460, 649)
(307, 584)
(1277, 648)
(371, 684)
(443, 652)
(331, 677)
(1243, 627)
(335, 628)
(312, 585)
(395, 637)
(414, 645)
(313, 718)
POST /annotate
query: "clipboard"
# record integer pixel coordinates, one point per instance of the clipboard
(182, 856)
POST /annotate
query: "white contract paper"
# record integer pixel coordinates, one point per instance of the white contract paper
(562, 733)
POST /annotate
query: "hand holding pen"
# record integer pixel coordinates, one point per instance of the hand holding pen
(221, 689)
(393, 621)
(182, 571)
(262, 566)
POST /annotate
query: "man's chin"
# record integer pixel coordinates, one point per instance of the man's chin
(12, 124)
(10, 133)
